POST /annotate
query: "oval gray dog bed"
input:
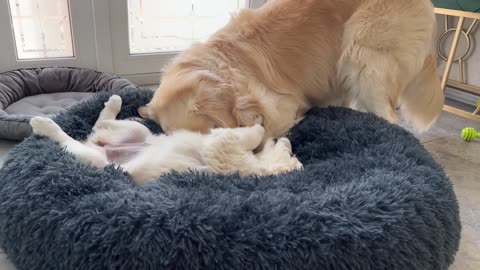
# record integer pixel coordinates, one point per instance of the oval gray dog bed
(46, 91)
(370, 197)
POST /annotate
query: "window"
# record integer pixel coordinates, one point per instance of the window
(166, 26)
(41, 29)
(131, 38)
(47, 33)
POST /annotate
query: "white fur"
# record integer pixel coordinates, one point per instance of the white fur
(224, 150)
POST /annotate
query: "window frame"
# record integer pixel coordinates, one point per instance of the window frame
(82, 25)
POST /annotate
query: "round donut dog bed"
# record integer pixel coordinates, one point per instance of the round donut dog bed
(46, 91)
(369, 197)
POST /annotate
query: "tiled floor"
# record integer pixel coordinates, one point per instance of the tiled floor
(461, 161)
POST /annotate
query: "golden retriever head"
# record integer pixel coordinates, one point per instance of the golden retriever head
(198, 99)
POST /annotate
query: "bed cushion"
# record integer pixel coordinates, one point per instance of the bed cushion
(46, 91)
(370, 197)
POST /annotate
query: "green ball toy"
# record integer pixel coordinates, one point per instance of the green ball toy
(470, 134)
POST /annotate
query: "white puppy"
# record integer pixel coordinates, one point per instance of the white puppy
(224, 150)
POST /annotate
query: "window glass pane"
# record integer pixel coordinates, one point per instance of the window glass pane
(166, 25)
(41, 28)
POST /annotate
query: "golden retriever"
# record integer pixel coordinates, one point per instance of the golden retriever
(146, 156)
(272, 64)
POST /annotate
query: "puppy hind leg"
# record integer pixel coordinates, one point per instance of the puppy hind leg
(110, 111)
(250, 137)
(47, 127)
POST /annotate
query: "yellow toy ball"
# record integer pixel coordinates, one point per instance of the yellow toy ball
(470, 134)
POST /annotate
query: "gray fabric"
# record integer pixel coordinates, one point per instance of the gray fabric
(14, 120)
(46, 91)
(45, 104)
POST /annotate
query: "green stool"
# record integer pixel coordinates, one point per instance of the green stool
(461, 9)
(464, 5)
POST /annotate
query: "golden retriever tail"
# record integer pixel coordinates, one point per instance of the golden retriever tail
(422, 100)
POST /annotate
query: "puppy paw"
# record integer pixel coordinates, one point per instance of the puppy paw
(296, 164)
(269, 145)
(284, 144)
(44, 126)
(114, 103)
(285, 165)
(259, 129)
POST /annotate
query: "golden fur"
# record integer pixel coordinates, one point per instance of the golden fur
(272, 64)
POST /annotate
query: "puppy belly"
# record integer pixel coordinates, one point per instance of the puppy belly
(123, 152)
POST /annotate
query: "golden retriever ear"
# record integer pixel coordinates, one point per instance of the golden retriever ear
(215, 103)
(195, 108)
(248, 111)
(203, 75)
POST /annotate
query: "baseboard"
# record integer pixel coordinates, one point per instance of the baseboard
(461, 96)
(144, 79)
(457, 95)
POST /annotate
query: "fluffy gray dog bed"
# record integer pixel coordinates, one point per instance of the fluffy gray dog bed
(46, 91)
(370, 197)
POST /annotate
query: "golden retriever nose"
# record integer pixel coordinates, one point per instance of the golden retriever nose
(143, 111)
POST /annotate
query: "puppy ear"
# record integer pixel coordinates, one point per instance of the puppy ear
(248, 111)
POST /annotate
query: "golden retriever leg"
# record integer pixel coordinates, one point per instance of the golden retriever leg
(370, 79)
(384, 46)
(422, 101)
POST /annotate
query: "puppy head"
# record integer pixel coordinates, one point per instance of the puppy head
(199, 100)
